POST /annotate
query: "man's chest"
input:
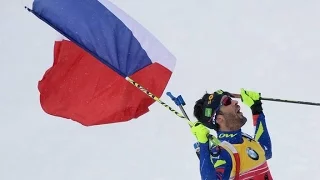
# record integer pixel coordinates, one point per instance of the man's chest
(251, 154)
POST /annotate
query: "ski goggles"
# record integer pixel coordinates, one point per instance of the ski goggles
(226, 101)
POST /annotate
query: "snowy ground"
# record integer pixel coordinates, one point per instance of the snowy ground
(271, 46)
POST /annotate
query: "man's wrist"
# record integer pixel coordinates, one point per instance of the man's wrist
(256, 108)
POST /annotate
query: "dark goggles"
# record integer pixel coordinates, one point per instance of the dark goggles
(226, 101)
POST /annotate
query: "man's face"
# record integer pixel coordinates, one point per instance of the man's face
(233, 117)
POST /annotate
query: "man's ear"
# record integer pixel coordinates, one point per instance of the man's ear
(220, 119)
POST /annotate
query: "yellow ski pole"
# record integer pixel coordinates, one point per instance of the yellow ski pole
(158, 100)
(211, 137)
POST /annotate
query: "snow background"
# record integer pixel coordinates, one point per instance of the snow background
(268, 46)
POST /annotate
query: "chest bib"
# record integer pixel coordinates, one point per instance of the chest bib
(253, 164)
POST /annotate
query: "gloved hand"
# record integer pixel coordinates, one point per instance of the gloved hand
(200, 131)
(252, 99)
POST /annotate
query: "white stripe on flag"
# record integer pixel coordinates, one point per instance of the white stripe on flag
(155, 50)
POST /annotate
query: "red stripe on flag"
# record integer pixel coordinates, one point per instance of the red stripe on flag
(81, 88)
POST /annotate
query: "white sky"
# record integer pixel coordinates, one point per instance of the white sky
(271, 47)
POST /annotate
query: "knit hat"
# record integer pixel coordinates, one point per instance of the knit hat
(206, 107)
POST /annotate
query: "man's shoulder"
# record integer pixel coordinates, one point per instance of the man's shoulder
(249, 137)
(219, 152)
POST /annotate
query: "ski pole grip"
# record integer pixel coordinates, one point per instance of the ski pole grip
(178, 100)
(181, 101)
(171, 96)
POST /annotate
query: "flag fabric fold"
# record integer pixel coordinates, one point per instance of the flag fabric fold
(101, 46)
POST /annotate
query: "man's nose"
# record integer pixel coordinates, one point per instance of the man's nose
(235, 102)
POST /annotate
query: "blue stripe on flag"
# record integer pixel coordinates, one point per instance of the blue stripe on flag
(96, 29)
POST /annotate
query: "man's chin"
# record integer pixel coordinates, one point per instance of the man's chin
(243, 120)
(240, 115)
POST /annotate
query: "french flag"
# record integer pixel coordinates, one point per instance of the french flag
(100, 46)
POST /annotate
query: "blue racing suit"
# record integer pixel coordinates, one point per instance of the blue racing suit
(249, 154)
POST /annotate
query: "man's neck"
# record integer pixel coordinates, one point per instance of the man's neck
(233, 137)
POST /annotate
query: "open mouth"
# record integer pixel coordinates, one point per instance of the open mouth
(238, 111)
